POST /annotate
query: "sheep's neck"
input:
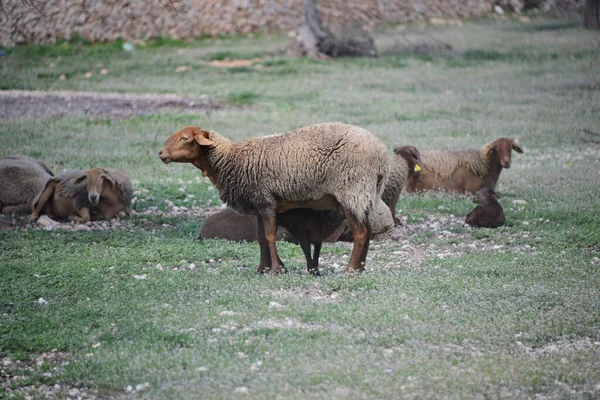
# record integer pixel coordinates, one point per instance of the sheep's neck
(206, 170)
(213, 156)
(494, 170)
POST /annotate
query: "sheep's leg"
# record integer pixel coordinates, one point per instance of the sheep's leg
(360, 232)
(84, 215)
(270, 226)
(314, 270)
(47, 193)
(363, 254)
(265, 255)
(310, 264)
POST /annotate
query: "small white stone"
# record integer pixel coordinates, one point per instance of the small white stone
(42, 301)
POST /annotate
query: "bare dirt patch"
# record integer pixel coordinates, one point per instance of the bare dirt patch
(16, 104)
(233, 63)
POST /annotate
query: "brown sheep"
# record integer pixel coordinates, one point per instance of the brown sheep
(227, 224)
(322, 166)
(489, 213)
(21, 179)
(106, 193)
(464, 171)
(404, 164)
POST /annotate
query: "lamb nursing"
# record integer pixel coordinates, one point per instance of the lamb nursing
(329, 166)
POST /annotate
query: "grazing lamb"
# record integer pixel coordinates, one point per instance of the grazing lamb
(227, 224)
(464, 171)
(489, 213)
(106, 193)
(404, 164)
(323, 166)
(21, 179)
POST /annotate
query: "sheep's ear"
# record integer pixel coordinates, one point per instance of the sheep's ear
(108, 179)
(516, 146)
(494, 197)
(80, 179)
(202, 137)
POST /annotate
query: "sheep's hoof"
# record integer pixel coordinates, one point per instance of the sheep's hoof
(351, 270)
(278, 269)
(260, 269)
(314, 272)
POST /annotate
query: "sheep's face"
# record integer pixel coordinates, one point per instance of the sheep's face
(503, 149)
(95, 179)
(413, 159)
(185, 145)
(485, 197)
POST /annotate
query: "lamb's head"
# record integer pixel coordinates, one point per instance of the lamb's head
(95, 179)
(485, 196)
(501, 149)
(413, 159)
(185, 145)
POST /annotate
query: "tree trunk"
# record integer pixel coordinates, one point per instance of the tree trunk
(314, 40)
(591, 14)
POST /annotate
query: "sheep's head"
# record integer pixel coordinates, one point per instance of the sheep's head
(185, 145)
(95, 179)
(501, 149)
(485, 196)
(413, 159)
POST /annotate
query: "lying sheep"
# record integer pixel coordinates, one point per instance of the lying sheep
(323, 166)
(489, 213)
(21, 179)
(227, 224)
(404, 164)
(464, 171)
(84, 195)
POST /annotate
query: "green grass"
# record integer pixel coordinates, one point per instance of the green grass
(453, 313)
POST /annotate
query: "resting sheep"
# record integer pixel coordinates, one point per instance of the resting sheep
(84, 195)
(21, 179)
(489, 213)
(464, 171)
(404, 164)
(324, 166)
(227, 224)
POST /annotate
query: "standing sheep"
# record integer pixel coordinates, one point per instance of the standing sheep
(21, 179)
(465, 171)
(83, 195)
(489, 213)
(227, 224)
(323, 166)
(404, 164)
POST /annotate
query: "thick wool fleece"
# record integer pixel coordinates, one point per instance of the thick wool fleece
(445, 162)
(344, 161)
(21, 179)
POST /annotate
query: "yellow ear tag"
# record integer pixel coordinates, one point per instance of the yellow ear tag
(417, 167)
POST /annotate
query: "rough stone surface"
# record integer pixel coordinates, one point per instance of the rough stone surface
(108, 20)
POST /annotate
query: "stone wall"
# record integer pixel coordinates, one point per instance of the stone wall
(107, 20)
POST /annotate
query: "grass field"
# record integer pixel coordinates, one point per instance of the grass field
(443, 311)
